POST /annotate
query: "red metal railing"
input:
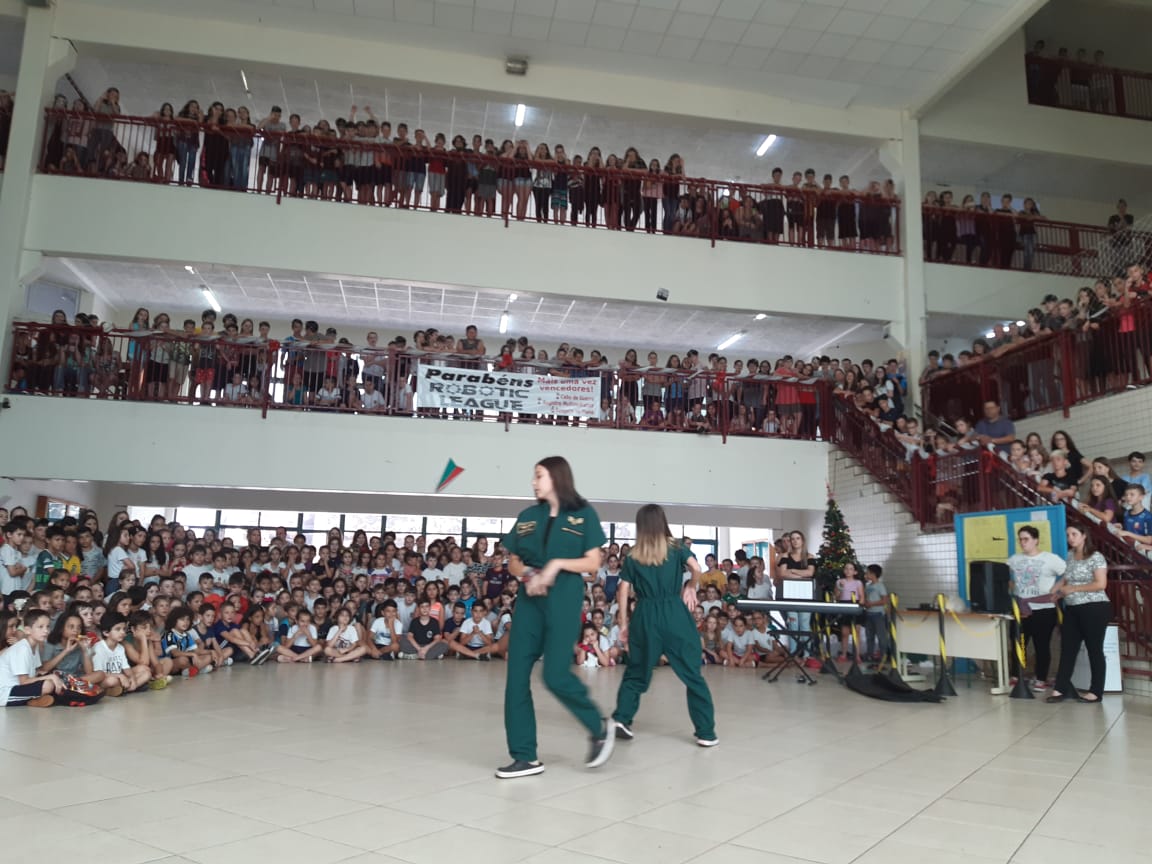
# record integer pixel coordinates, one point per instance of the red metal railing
(320, 166)
(242, 371)
(1010, 241)
(1063, 83)
(1053, 371)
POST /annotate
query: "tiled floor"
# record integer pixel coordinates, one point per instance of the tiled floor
(375, 763)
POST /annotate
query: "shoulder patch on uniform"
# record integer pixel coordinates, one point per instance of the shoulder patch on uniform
(523, 528)
(575, 520)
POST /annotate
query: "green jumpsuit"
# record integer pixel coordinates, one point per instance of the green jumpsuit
(662, 625)
(548, 626)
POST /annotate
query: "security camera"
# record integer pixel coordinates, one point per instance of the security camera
(662, 294)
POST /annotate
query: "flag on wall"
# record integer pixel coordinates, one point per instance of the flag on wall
(451, 472)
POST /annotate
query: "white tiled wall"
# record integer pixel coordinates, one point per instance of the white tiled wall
(917, 566)
(1111, 427)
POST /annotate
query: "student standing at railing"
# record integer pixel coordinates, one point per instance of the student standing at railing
(826, 212)
(846, 226)
(612, 188)
(216, 146)
(1005, 232)
(521, 178)
(1027, 218)
(187, 142)
(592, 187)
(985, 229)
(542, 182)
(102, 137)
(268, 160)
(633, 166)
(239, 146)
(165, 133)
(673, 170)
(560, 187)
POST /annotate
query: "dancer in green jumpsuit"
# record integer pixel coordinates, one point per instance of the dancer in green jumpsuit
(661, 625)
(550, 546)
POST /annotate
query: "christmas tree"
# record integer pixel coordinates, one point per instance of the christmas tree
(836, 549)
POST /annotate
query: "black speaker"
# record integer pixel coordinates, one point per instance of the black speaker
(988, 587)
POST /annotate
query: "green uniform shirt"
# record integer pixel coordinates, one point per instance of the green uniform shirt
(657, 581)
(46, 564)
(573, 533)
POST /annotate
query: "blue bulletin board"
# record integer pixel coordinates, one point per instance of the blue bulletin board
(991, 536)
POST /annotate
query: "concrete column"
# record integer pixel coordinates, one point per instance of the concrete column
(42, 61)
(902, 157)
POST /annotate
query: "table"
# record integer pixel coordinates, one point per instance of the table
(976, 636)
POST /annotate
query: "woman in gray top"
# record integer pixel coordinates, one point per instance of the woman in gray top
(1086, 616)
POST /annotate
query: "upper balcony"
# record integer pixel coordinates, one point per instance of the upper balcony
(1078, 85)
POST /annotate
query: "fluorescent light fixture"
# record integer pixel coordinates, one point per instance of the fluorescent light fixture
(520, 111)
(504, 321)
(991, 334)
(512, 298)
(244, 80)
(760, 316)
(765, 145)
(1021, 323)
(211, 298)
(189, 268)
(730, 341)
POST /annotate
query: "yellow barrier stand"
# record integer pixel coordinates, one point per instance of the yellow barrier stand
(944, 682)
(1020, 690)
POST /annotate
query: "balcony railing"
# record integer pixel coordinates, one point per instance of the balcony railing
(147, 366)
(974, 238)
(169, 367)
(1062, 83)
(1051, 372)
(321, 166)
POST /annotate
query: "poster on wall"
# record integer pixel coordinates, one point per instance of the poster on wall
(988, 539)
(514, 392)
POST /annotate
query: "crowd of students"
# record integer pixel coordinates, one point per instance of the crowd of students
(362, 159)
(87, 614)
(237, 364)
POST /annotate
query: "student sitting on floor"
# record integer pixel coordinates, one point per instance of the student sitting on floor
(473, 640)
(343, 642)
(19, 683)
(108, 656)
(386, 632)
(300, 644)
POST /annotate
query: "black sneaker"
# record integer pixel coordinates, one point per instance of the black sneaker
(520, 768)
(623, 733)
(601, 749)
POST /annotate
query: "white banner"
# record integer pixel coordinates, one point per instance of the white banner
(518, 392)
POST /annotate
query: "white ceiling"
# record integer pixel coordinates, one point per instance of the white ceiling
(355, 305)
(708, 150)
(888, 53)
(1020, 172)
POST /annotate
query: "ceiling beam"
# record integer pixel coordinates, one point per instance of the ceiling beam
(1014, 19)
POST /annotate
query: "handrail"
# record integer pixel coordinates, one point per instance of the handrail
(246, 372)
(325, 167)
(1059, 82)
(1012, 241)
(1052, 371)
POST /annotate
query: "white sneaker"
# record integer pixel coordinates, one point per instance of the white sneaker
(601, 748)
(707, 742)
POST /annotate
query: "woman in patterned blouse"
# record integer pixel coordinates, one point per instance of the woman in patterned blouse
(1086, 616)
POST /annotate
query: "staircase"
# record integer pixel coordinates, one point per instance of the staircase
(932, 490)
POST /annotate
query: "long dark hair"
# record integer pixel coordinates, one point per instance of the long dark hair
(57, 634)
(1089, 548)
(562, 483)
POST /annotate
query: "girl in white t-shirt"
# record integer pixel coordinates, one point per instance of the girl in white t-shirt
(759, 586)
(19, 683)
(302, 644)
(343, 640)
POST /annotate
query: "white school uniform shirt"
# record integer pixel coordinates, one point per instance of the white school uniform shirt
(740, 642)
(454, 573)
(328, 397)
(235, 392)
(405, 612)
(380, 631)
(8, 582)
(119, 555)
(345, 638)
(763, 591)
(469, 628)
(297, 639)
(110, 660)
(762, 641)
(18, 660)
(372, 401)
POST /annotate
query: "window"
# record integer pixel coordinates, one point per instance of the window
(198, 517)
(321, 521)
(444, 526)
(478, 525)
(280, 519)
(624, 532)
(401, 525)
(242, 518)
(369, 523)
